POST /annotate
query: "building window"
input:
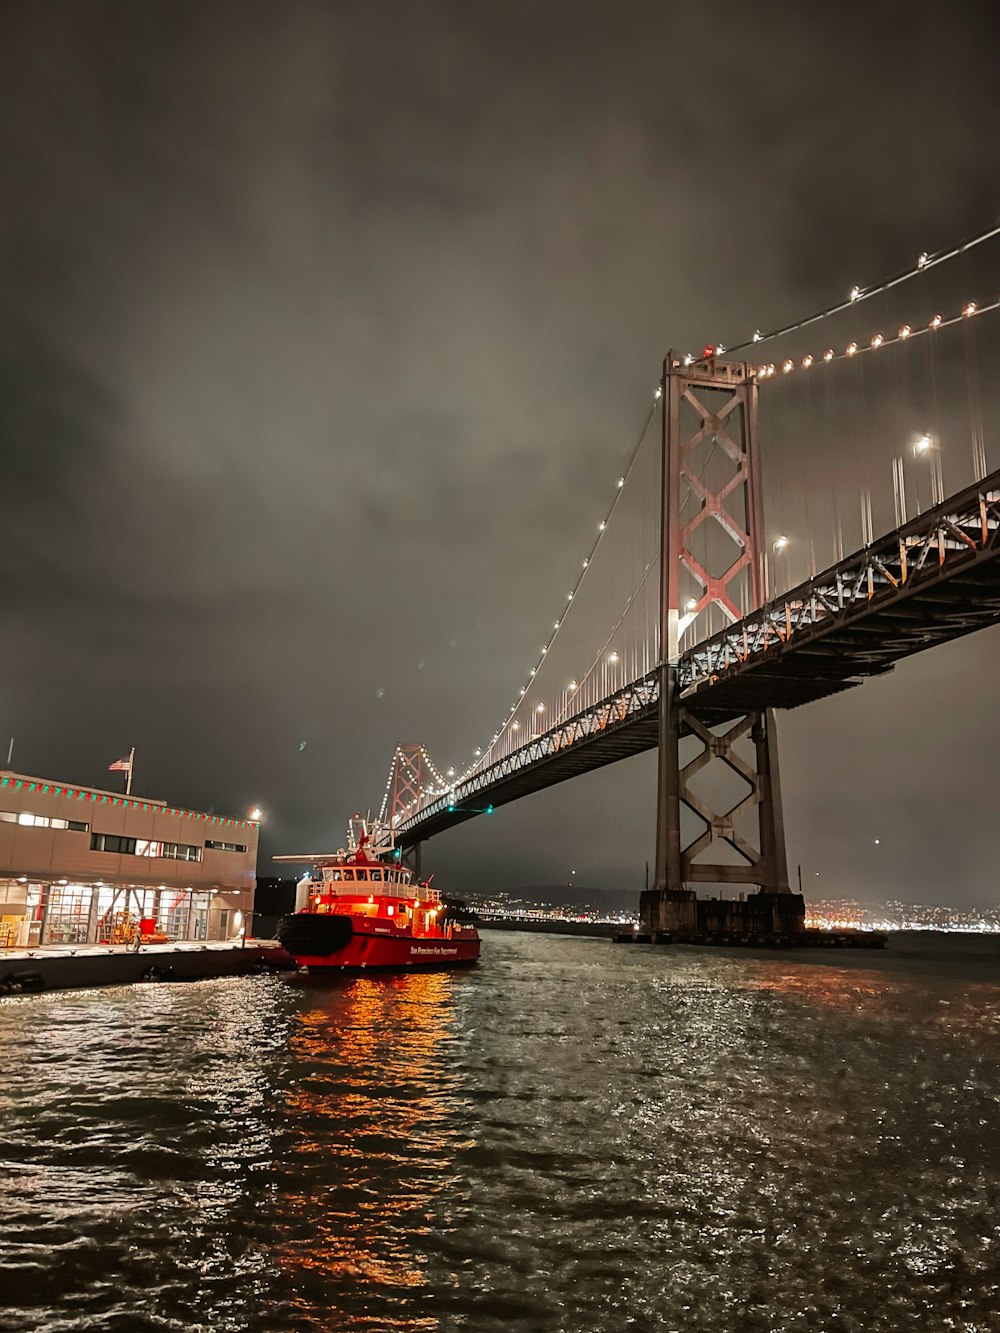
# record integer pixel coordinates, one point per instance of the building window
(111, 842)
(225, 846)
(181, 851)
(170, 851)
(42, 821)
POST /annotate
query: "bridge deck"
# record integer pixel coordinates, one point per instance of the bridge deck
(932, 580)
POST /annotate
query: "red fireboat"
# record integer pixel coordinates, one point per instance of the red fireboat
(362, 909)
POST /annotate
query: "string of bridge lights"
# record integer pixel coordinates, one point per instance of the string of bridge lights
(479, 754)
(877, 340)
(443, 784)
(925, 262)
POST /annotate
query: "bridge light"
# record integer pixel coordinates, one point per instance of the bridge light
(451, 772)
(923, 259)
(601, 526)
(923, 444)
(540, 708)
(828, 354)
(621, 482)
(852, 349)
(515, 725)
(451, 809)
(757, 335)
(969, 309)
(806, 362)
(586, 563)
(855, 293)
(905, 331)
(878, 340)
(689, 359)
(659, 392)
(573, 685)
(612, 657)
(788, 367)
(690, 605)
(780, 542)
(935, 322)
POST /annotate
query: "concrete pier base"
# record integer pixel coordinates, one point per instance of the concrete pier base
(682, 915)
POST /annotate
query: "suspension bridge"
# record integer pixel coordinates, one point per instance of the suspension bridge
(684, 629)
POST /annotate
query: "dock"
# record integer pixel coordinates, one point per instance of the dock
(810, 938)
(66, 966)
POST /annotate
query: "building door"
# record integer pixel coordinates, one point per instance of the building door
(68, 915)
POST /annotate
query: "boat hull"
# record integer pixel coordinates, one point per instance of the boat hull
(308, 937)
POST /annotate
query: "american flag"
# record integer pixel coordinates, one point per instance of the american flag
(120, 766)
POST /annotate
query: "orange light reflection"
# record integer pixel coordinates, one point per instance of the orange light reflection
(372, 1141)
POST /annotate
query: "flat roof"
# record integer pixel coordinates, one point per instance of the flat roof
(49, 787)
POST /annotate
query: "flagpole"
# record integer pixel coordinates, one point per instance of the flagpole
(131, 765)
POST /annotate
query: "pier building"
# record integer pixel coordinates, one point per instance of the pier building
(79, 865)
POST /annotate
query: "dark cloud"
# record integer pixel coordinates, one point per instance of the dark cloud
(327, 329)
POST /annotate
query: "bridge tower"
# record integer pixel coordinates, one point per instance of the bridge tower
(409, 777)
(707, 406)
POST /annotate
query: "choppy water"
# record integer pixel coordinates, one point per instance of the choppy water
(574, 1136)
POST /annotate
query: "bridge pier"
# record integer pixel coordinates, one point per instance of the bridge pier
(707, 406)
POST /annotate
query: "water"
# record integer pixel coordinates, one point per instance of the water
(574, 1136)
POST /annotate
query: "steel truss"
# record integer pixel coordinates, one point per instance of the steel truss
(933, 579)
(635, 702)
(911, 565)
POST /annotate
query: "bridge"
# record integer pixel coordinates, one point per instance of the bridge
(677, 633)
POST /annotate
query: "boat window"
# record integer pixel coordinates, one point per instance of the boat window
(376, 874)
(361, 874)
(336, 876)
(348, 875)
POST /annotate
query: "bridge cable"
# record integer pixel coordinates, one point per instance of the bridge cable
(858, 294)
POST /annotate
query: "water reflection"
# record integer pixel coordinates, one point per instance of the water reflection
(572, 1137)
(368, 1144)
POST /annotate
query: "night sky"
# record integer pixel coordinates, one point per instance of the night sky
(326, 329)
